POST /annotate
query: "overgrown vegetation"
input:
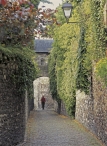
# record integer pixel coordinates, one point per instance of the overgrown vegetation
(16, 43)
(25, 71)
(101, 70)
(82, 81)
(18, 20)
(76, 50)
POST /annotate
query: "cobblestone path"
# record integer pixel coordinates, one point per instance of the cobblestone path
(47, 128)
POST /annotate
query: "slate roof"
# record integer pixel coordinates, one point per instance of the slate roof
(43, 45)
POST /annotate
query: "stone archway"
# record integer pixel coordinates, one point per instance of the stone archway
(41, 87)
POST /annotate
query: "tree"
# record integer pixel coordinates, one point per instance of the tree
(18, 20)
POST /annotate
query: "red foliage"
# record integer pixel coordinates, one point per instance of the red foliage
(18, 24)
(3, 2)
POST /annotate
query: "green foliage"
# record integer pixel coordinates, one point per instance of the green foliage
(60, 16)
(35, 2)
(82, 81)
(74, 51)
(70, 105)
(26, 71)
(101, 70)
(52, 76)
(98, 35)
(16, 43)
(63, 56)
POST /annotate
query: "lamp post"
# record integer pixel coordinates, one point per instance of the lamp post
(67, 9)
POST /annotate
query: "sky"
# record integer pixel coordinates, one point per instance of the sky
(52, 6)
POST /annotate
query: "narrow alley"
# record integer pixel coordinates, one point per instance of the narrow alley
(47, 128)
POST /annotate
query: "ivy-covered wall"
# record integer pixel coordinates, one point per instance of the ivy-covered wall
(77, 48)
(18, 70)
(12, 108)
(17, 73)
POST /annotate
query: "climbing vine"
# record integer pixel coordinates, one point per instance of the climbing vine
(78, 47)
(82, 81)
(25, 71)
(101, 70)
(98, 34)
(17, 22)
(65, 64)
(52, 76)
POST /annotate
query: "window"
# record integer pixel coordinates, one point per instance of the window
(42, 61)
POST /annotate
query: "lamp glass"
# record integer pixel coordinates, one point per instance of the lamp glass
(67, 12)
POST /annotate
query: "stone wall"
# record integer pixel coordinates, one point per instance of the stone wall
(11, 108)
(100, 110)
(41, 87)
(84, 110)
(42, 61)
(14, 109)
(91, 111)
(60, 108)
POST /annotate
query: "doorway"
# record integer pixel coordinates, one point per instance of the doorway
(41, 87)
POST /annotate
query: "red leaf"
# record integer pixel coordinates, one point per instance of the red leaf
(3, 2)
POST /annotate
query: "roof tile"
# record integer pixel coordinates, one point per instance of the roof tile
(43, 45)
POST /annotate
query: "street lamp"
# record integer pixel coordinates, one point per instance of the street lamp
(67, 9)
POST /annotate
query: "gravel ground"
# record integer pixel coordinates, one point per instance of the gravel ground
(47, 128)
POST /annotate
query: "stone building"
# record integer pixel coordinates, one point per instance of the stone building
(41, 84)
(42, 50)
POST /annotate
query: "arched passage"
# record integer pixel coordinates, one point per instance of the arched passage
(41, 87)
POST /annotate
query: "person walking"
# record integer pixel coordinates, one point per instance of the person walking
(43, 100)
